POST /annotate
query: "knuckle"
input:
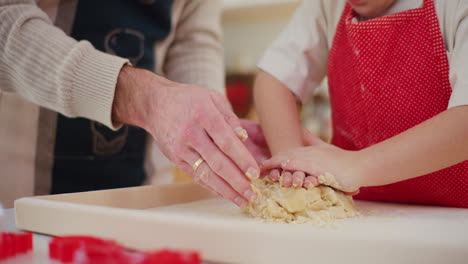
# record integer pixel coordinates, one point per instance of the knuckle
(212, 123)
(171, 154)
(226, 145)
(188, 135)
(298, 174)
(199, 113)
(229, 195)
(198, 180)
(239, 182)
(178, 148)
(203, 175)
(218, 166)
(243, 186)
(182, 165)
(288, 165)
(232, 119)
(185, 131)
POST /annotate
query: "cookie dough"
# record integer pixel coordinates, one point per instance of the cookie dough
(318, 205)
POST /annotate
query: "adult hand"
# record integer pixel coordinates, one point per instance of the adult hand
(190, 123)
(320, 159)
(256, 142)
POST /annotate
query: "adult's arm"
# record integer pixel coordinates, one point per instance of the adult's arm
(195, 55)
(39, 62)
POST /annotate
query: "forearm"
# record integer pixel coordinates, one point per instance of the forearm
(277, 110)
(433, 145)
(195, 56)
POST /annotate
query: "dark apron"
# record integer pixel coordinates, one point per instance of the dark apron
(88, 155)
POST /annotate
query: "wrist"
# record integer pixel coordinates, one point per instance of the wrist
(123, 109)
(283, 146)
(368, 172)
(135, 95)
(364, 169)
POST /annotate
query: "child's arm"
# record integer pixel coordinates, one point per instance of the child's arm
(428, 147)
(431, 146)
(278, 113)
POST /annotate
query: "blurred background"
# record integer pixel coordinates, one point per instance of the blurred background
(249, 29)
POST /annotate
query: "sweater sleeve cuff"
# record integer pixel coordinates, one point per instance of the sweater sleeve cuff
(94, 87)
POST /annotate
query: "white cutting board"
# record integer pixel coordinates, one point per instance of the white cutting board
(185, 216)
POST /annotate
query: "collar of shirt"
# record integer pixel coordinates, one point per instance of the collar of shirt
(398, 6)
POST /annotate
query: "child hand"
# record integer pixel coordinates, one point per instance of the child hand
(292, 179)
(298, 178)
(316, 161)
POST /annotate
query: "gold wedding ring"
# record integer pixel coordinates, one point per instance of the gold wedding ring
(197, 164)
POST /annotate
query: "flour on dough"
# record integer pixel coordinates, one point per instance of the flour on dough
(329, 180)
(319, 205)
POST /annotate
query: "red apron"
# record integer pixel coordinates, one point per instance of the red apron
(387, 75)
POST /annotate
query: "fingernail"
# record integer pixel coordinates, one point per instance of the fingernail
(296, 183)
(250, 195)
(252, 173)
(203, 176)
(241, 202)
(307, 185)
(285, 163)
(241, 133)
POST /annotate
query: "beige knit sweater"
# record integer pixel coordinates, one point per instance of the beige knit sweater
(40, 63)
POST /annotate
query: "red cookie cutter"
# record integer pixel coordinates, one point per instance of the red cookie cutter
(12, 245)
(90, 250)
